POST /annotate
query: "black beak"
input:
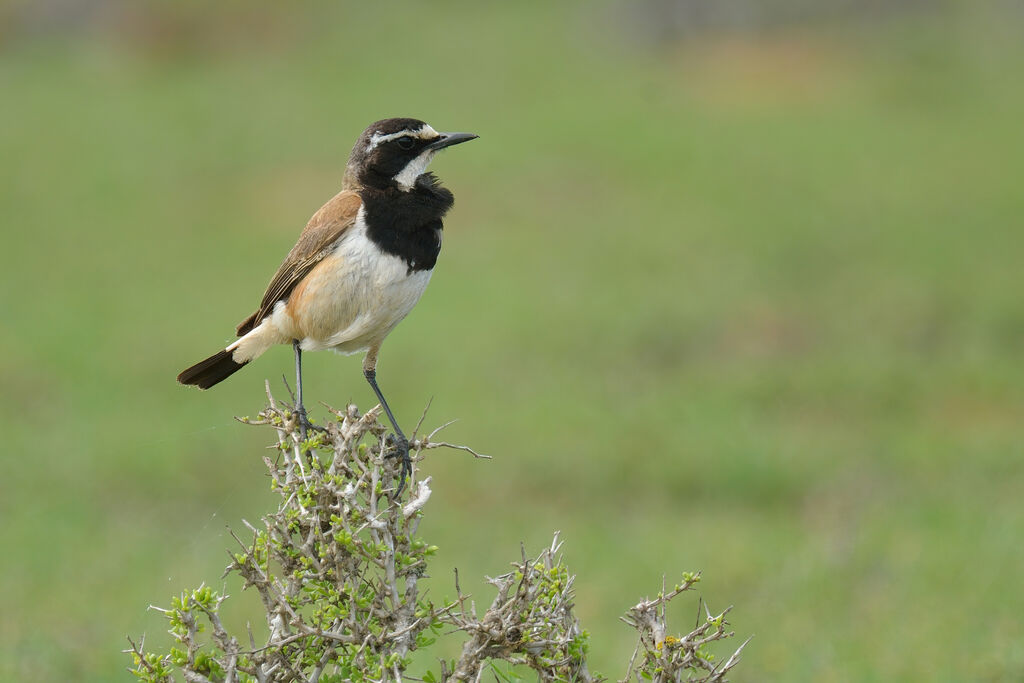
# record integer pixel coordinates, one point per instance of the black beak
(449, 139)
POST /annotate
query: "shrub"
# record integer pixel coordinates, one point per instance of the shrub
(337, 569)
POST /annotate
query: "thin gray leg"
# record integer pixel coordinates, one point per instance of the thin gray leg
(403, 443)
(299, 407)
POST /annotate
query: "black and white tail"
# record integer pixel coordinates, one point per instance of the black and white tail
(214, 369)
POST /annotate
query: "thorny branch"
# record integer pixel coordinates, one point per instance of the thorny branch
(670, 658)
(530, 622)
(337, 569)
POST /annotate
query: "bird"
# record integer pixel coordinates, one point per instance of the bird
(358, 268)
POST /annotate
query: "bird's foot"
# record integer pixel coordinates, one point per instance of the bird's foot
(400, 449)
(305, 426)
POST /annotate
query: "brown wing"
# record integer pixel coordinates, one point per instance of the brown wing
(315, 242)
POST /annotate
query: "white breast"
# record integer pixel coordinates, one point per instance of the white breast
(362, 297)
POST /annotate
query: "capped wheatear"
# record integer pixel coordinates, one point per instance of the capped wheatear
(359, 267)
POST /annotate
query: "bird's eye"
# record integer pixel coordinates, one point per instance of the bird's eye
(406, 142)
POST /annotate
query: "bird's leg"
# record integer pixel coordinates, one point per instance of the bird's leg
(403, 443)
(299, 408)
(304, 424)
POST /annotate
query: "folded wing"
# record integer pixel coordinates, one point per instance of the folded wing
(316, 242)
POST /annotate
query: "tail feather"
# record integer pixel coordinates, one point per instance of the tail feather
(214, 369)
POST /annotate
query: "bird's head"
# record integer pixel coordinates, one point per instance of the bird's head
(394, 152)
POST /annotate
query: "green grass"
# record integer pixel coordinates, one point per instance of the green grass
(749, 306)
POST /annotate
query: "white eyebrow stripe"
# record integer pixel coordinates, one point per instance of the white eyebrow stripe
(425, 132)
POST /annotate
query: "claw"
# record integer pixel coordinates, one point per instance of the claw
(305, 425)
(401, 449)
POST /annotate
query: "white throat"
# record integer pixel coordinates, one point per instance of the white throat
(414, 169)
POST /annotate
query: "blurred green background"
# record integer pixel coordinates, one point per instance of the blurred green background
(731, 287)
